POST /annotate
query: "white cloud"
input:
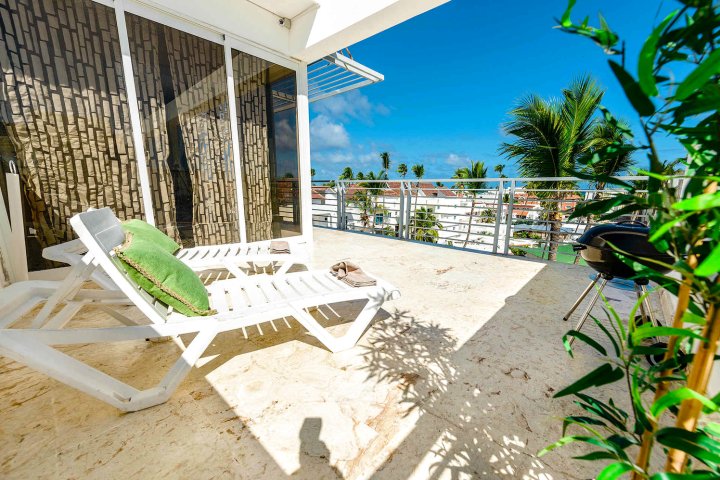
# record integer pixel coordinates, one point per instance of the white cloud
(327, 134)
(285, 136)
(457, 160)
(352, 159)
(352, 105)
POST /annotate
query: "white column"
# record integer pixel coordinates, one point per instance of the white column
(135, 123)
(235, 141)
(303, 133)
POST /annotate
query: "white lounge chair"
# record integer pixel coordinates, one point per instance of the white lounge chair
(230, 257)
(240, 303)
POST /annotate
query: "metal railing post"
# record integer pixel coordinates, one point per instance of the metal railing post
(341, 221)
(401, 211)
(408, 213)
(508, 218)
(498, 217)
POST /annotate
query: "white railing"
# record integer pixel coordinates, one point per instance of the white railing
(512, 216)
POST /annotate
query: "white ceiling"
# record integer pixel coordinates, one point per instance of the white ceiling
(285, 8)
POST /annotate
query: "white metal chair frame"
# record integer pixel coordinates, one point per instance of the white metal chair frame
(240, 302)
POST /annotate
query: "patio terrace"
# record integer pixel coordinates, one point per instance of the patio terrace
(453, 380)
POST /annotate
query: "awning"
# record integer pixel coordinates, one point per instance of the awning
(330, 76)
(337, 74)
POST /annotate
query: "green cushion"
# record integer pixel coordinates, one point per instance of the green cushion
(163, 276)
(143, 229)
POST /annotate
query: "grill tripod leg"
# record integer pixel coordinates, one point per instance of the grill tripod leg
(645, 310)
(582, 297)
(589, 308)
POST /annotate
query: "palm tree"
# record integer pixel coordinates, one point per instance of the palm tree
(549, 137)
(427, 227)
(608, 133)
(347, 174)
(476, 170)
(385, 159)
(402, 170)
(312, 172)
(499, 170)
(419, 171)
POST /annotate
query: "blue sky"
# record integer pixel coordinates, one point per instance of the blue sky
(452, 74)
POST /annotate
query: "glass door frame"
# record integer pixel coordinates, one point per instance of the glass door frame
(229, 41)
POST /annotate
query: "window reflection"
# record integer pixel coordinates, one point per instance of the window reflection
(265, 96)
(183, 102)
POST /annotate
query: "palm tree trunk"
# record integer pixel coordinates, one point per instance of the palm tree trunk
(472, 212)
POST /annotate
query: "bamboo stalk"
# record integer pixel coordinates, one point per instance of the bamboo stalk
(700, 371)
(648, 437)
(663, 387)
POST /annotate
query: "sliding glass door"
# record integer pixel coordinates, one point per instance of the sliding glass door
(265, 98)
(182, 97)
(66, 126)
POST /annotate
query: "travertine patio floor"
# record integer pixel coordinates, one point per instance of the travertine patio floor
(454, 380)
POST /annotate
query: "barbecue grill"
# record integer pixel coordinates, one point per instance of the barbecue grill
(598, 248)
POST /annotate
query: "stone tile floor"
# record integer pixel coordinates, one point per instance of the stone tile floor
(454, 380)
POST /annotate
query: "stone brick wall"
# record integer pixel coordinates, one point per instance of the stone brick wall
(64, 106)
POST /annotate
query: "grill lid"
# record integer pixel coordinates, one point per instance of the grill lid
(630, 237)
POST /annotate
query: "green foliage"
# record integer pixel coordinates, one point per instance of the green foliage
(426, 225)
(684, 208)
(487, 216)
(526, 234)
(476, 170)
(550, 138)
(402, 170)
(418, 170)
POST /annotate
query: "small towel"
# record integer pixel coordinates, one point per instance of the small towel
(279, 247)
(352, 274)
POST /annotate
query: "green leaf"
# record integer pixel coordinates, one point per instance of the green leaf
(611, 413)
(581, 336)
(684, 476)
(710, 265)
(704, 201)
(677, 396)
(712, 428)
(646, 62)
(602, 327)
(648, 331)
(665, 227)
(614, 470)
(640, 102)
(697, 78)
(583, 422)
(697, 444)
(565, 19)
(602, 375)
(592, 456)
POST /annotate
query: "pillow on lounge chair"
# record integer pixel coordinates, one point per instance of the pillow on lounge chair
(143, 229)
(163, 276)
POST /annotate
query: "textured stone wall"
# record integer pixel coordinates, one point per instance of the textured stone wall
(252, 103)
(63, 104)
